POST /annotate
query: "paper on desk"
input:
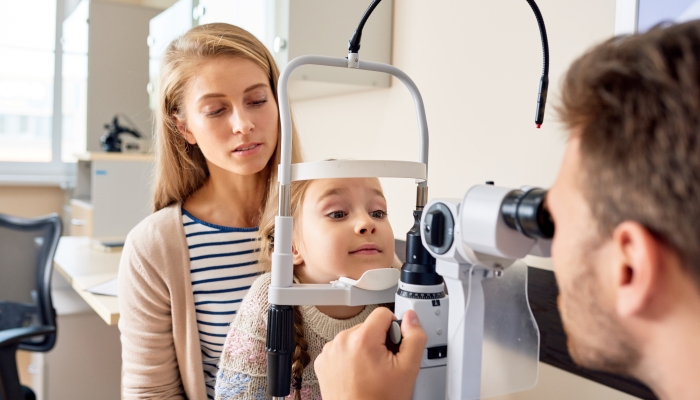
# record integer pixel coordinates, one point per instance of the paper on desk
(108, 288)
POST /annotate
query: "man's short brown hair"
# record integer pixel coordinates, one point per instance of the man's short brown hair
(634, 103)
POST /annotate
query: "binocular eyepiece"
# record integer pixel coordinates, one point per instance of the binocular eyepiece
(485, 221)
(526, 212)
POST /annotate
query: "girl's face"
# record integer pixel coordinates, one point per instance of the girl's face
(231, 114)
(343, 230)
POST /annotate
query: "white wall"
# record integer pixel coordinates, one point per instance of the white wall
(478, 65)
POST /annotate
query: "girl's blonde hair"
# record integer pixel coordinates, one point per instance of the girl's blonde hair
(267, 221)
(300, 357)
(181, 168)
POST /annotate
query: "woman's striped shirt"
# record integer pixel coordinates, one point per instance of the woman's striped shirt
(223, 266)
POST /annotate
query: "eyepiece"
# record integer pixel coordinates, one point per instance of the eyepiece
(525, 212)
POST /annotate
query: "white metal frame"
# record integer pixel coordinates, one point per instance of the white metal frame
(282, 289)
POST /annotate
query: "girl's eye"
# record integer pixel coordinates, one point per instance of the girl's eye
(379, 214)
(337, 214)
(214, 113)
(259, 102)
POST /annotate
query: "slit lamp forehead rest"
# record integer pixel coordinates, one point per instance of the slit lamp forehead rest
(359, 169)
(285, 166)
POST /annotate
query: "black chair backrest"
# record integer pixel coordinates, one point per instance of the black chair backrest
(27, 246)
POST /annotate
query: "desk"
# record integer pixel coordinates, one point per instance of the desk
(84, 267)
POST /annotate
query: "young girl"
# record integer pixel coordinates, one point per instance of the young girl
(340, 229)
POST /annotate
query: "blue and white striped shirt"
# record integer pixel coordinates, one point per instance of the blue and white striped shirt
(223, 266)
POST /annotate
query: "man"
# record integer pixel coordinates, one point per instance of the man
(626, 205)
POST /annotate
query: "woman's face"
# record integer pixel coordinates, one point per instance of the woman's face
(343, 230)
(231, 114)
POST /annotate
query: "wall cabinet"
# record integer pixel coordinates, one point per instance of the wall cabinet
(289, 28)
(105, 70)
(113, 193)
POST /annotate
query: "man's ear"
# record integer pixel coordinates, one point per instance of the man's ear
(298, 259)
(182, 128)
(638, 269)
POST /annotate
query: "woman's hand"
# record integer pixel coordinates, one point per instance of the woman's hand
(357, 364)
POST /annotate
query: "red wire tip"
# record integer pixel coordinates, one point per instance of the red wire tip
(538, 126)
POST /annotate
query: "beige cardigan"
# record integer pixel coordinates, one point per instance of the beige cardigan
(161, 353)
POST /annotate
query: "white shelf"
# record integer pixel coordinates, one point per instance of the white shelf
(85, 203)
(62, 181)
(106, 156)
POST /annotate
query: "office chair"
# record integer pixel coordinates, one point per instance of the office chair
(27, 316)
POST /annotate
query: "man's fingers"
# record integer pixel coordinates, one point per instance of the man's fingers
(377, 324)
(414, 339)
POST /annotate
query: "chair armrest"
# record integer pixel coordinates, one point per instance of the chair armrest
(14, 336)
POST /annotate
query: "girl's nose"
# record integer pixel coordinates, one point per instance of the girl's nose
(241, 122)
(365, 225)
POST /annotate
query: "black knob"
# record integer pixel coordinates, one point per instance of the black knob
(280, 349)
(435, 228)
(393, 337)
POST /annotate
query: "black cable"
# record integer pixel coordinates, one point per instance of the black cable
(544, 80)
(543, 36)
(354, 42)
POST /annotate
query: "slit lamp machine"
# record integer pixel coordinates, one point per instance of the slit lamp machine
(483, 340)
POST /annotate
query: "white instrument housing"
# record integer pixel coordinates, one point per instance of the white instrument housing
(480, 236)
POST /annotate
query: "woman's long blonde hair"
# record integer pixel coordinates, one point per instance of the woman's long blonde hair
(181, 168)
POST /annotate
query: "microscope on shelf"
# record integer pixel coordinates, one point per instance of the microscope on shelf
(482, 338)
(119, 138)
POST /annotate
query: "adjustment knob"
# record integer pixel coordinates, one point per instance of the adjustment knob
(435, 228)
(393, 337)
(280, 349)
(438, 228)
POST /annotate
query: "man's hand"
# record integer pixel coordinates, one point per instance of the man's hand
(357, 364)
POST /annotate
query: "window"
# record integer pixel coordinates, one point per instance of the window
(640, 15)
(29, 138)
(651, 12)
(74, 82)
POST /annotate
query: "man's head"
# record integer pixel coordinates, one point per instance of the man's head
(627, 201)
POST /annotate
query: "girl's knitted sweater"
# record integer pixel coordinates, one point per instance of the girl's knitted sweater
(243, 366)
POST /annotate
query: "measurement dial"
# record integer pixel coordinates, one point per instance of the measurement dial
(421, 296)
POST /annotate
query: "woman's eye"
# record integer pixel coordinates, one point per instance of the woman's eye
(337, 214)
(379, 214)
(214, 113)
(258, 102)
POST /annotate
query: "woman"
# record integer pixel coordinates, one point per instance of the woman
(185, 268)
